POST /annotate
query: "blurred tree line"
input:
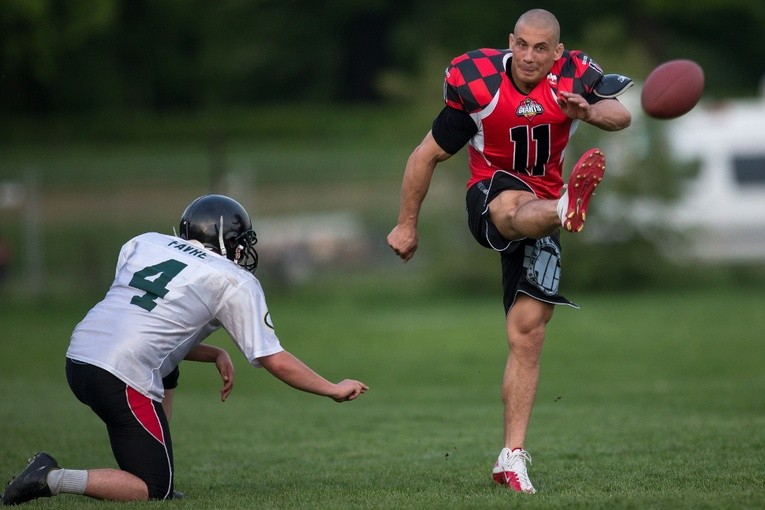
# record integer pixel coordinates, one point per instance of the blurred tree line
(159, 55)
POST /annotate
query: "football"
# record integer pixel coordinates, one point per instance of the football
(672, 89)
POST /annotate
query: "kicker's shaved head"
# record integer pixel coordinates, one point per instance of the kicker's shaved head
(540, 19)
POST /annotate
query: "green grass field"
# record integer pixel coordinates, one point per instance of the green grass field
(646, 401)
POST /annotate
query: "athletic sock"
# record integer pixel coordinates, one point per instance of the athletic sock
(67, 481)
(562, 207)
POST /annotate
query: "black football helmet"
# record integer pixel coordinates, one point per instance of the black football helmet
(222, 225)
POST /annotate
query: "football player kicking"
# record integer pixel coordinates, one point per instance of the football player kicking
(168, 295)
(516, 108)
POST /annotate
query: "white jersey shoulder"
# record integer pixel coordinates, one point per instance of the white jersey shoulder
(168, 295)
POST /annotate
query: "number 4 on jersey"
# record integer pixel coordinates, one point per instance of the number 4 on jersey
(153, 280)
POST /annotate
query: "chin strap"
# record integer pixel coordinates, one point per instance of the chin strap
(220, 237)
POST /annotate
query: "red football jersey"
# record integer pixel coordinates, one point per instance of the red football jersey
(525, 135)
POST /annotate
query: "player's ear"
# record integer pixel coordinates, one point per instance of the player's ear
(559, 51)
(510, 40)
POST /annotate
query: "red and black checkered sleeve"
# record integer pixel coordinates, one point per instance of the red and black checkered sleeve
(472, 79)
(584, 73)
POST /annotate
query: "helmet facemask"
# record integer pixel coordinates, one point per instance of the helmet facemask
(246, 256)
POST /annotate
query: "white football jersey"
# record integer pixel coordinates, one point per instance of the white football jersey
(168, 295)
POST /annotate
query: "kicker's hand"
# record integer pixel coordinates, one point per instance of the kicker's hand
(403, 241)
(574, 105)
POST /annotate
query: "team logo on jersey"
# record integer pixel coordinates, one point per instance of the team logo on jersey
(529, 109)
(267, 320)
(552, 79)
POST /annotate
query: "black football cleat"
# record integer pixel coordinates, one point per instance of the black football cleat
(32, 483)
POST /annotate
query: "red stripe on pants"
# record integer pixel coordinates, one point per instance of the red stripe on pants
(143, 409)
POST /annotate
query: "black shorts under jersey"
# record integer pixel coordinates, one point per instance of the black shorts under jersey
(170, 381)
(138, 430)
(529, 266)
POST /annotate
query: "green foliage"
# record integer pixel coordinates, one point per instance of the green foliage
(636, 408)
(81, 55)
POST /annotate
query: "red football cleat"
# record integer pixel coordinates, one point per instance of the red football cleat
(585, 176)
